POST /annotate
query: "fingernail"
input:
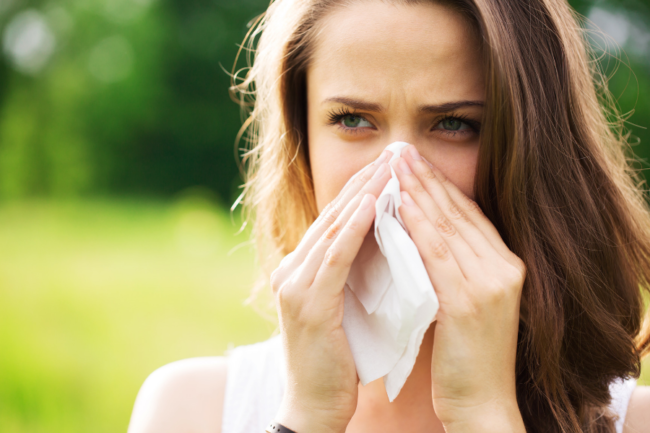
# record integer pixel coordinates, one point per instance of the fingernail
(404, 167)
(380, 172)
(406, 198)
(428, 163)
(365, 202)
(414, 153)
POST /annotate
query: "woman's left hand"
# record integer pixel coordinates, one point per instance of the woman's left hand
(478, 281)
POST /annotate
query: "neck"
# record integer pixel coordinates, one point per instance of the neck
(411, 410)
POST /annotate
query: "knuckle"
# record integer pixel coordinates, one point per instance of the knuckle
(495, 291)
(334, 257)
(439, 250)
(363, 178)
(286, 263)
(429, 175)
(354, 226)
(282, 296)
(332, 231)
(472, 206)
(516, 273)
(445, 227)
(327, 208)
(456, 212)
(521, 268)
(290, 304)
(418, 188)
(331, 216)
(419, 218)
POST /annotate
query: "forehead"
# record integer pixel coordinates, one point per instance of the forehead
(424, 51)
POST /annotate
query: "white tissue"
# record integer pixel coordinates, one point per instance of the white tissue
(389, 299)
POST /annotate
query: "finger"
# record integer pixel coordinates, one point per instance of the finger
(434, 200)
(312, 262)
(368, 180)
(475, 214)
(362, 182)
(338, 258)
(306, 258)
(465, 255)
(442, 267)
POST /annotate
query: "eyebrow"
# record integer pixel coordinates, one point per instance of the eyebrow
(358, 104)
(449, 106)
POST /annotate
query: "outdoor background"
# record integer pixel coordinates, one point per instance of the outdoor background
(118, 253)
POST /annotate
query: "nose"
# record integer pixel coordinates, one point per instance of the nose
(411, 139)
(407, 132)
(403, 135)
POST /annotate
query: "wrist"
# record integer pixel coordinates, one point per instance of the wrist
(501, 416)
(309, 420)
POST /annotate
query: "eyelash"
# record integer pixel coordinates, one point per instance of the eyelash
(335, 117)
(474, 126)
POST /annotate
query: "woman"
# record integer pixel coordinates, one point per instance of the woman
(516, 193)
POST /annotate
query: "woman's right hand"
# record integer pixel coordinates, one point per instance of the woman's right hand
(321, 393)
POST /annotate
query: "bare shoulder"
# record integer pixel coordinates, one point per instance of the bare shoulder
(182, 396)
(637, 419)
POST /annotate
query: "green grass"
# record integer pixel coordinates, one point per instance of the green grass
(96, 295)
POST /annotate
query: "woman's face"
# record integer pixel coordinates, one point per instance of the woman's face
(387, 72)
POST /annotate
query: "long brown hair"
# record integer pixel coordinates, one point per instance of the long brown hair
(555, 176)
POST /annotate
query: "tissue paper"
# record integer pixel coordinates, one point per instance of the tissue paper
(389, 299)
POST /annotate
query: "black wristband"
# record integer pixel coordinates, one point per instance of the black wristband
(276, 427)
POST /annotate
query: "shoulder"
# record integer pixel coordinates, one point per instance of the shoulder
(637, 419)
(186, 395)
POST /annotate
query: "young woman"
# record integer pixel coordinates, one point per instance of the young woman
(517, 194)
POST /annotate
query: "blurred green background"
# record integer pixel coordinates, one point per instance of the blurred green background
(118, 253)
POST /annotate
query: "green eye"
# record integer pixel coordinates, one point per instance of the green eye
(451, 124)
(352, 121)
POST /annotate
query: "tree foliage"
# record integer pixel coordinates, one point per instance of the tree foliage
(131, 96)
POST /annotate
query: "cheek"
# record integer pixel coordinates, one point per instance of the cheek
(328, 182)
(459, 165)
(332, 166)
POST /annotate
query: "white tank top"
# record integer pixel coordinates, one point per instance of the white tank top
(255, 385)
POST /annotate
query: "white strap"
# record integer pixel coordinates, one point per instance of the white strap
(621, 391)
(254, 386)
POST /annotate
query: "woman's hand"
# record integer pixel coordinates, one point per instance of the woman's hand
(308, 287)
(478, 281)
